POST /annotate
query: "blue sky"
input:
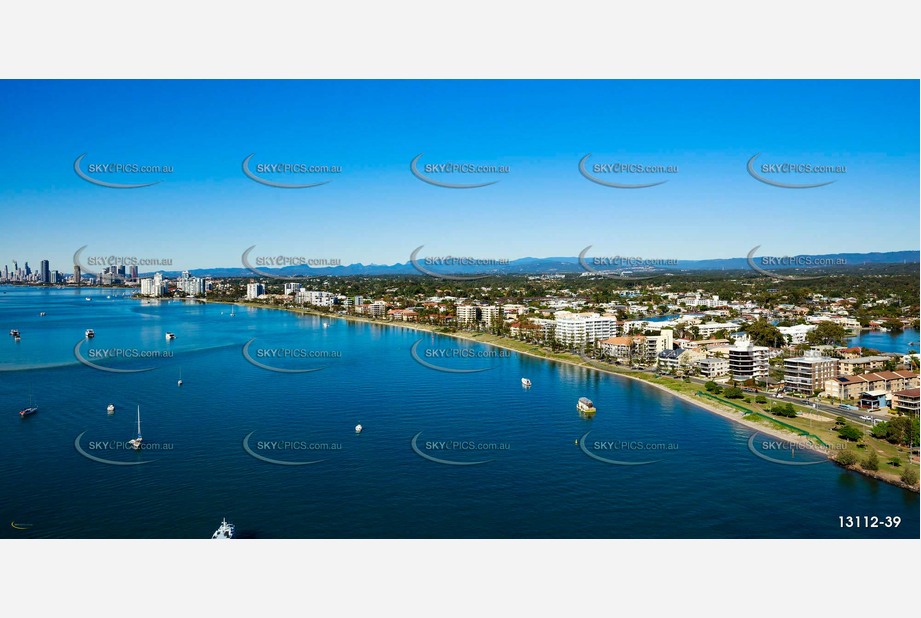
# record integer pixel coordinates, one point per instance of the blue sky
(207, 212)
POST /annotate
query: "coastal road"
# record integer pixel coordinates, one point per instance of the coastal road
(851, 415)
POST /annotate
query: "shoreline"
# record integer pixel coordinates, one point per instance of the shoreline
(782, 434)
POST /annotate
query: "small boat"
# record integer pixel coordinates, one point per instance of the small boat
(170, 336)
(136, 443)
(14, 332)
(16, 337)
(89, 334)
(180, 378)
(88, 298)
(27, 411)
(585, 405)
(225, 531)
(525, 382)
(42, 314)
(358, 428)
(110, 408)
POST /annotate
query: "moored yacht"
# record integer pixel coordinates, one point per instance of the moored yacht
(89, 334)
(585, 405)
(225, 531)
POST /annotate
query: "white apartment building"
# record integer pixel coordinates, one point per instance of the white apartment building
(315, 297)
(154, 286)
(466, 314)
(292, 288)
(254, 290)
(581, 328)
(796, 334)
(807, 374)
(489, 314)
(707, 329)
(713, 367)
(747, 361)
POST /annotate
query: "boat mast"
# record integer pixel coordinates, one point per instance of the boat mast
(139, 420)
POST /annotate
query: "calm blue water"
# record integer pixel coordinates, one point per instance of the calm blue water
(375, 485)
(887, 342)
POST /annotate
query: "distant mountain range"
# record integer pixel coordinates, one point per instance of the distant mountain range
(568, 265)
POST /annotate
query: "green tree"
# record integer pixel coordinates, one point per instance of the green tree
(871, 462)
(764, 333)
(880, 430)
(733, 392)
(909, 476)
(850, 433)
(846, 457)
(760, 399)
(827, 333)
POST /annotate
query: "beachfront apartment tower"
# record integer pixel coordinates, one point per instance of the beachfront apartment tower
(254, 290)
(466, 314)
(748, 362)
(578, 329)
(807, 374)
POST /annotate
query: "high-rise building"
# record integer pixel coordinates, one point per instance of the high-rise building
(748, 362)
(807, 374)
(133, 272)
(78, 274)
(254, 290)
(44, 272)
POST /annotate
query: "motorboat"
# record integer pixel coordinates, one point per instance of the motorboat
(89, 334)
(110, 408)
(585, 405)
(170, 336)
(358, 428)
(525, 382)
(225, 531)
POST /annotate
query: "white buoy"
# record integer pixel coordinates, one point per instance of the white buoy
(358, 428)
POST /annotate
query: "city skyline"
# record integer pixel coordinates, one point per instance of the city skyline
(373, 208)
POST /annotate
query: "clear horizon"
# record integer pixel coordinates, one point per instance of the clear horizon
(206, 212)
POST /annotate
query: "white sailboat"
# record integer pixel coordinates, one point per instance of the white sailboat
(136, 443)
(180, 376)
